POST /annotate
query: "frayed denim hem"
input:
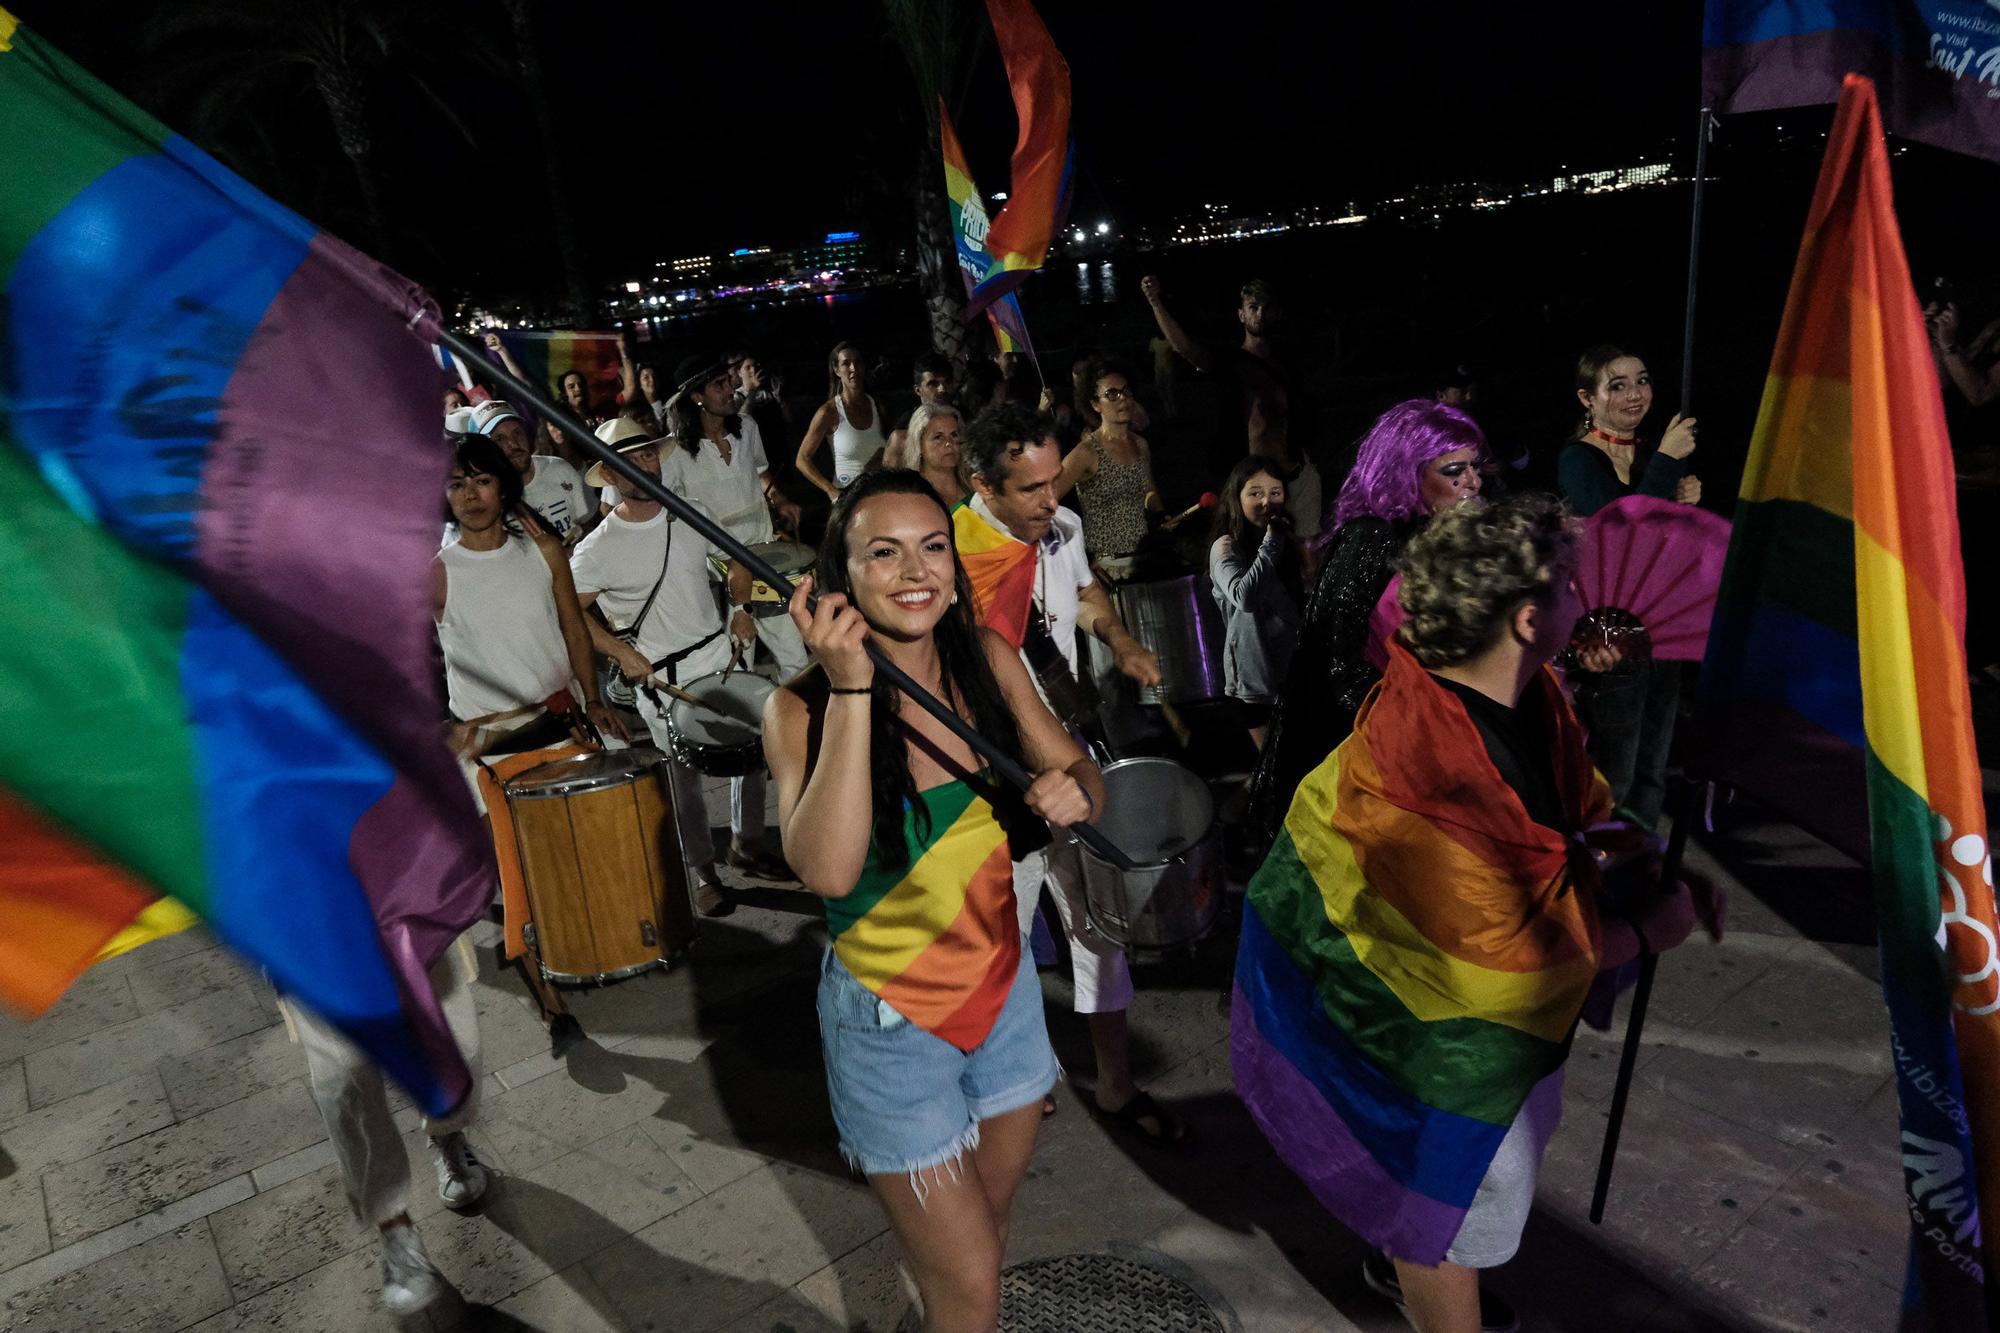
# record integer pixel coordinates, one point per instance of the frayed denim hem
(928, 1174)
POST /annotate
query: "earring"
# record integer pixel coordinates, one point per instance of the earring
(953, 601)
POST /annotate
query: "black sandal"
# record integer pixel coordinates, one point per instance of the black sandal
(1131, 1118)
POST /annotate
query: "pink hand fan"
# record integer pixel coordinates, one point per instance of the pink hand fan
(1649, 575)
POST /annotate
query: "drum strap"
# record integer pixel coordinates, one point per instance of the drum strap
(492, 776)
(631, 632)
(671, 663)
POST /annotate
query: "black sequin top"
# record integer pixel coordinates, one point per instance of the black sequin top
(1330, 675)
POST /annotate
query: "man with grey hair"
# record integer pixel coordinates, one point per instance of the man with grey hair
(1014, 462)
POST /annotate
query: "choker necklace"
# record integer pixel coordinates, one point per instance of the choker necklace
(1613, 440)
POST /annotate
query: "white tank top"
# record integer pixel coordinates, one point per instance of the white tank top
(852, 447)
(503, 646)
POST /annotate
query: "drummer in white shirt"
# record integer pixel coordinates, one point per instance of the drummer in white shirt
(681, 638)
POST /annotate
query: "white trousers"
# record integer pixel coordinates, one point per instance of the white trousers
(354, 1102)
(1103, 979)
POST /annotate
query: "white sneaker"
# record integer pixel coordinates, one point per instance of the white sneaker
(461, 1176)
(410, 1281)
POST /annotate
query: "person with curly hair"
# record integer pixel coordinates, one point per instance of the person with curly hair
(1418, 944)
(1418, 459)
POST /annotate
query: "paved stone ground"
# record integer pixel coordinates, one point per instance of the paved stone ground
(162, 1166)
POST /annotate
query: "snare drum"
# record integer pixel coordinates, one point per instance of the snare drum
(1163, 817)
(601, 860)
(723, 735)
(788, 558)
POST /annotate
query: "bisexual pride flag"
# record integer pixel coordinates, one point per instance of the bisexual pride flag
(1835, 683)
(222, 469)
(1937, 62)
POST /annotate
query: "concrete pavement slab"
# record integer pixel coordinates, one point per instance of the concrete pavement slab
(165, 1284)
(168, 1164)
(85, 1125)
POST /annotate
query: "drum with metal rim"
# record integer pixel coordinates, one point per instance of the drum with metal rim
(722, 735)
(788, 558)
(601, 861)
(1163, 817)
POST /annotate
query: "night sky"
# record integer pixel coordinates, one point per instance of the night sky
(686, 128)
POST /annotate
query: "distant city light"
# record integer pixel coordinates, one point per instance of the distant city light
(632, 287)
(1077, 235)
(1104, 229)
(837, 237)
(1000, 196)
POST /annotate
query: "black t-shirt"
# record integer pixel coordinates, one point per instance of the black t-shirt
(1521, 742)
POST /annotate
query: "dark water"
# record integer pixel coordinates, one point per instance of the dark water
(1373, 310)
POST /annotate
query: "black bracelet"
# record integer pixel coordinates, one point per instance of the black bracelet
(854, 689)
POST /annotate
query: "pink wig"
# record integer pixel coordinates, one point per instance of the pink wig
(1386, 478)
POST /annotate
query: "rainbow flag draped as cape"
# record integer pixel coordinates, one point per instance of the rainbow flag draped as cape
(221, 463)
(1001, 569)
(1414, 955)
(1044, 158)
(1836, 668)
(969, 229)
(939, 940)
(545, 358)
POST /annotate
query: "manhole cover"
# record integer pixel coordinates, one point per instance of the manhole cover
(1099, 1293)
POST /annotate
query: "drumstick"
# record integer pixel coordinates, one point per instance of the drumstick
(696, 700)
(1173, 719)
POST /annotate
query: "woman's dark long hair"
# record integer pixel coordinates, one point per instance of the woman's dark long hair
(684, 423)
(477, 455)
(1590, 368)
(965, 676)
(1245, 536)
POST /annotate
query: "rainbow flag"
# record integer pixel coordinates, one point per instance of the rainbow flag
(969, 229)
(1001, 569)
(221, 459)
(940, 939)
(1415, 952)
(545, 358)
(1044, 160)
(1937, 61)
(1836, 668)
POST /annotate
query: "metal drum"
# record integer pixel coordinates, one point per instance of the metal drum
(723, 735)
(602, 864)
(1163, 817)
(1179, 620)
(788, 558)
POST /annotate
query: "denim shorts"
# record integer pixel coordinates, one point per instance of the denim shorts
(906, 1101)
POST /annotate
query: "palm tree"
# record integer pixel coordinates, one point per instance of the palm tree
(218, 56)
(528, 64)
(939, 40)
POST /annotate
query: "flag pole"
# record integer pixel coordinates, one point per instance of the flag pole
(521, 391)
(1707, 128)
(1682, 803)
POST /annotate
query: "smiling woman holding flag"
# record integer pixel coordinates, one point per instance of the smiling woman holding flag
(930, 1012)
